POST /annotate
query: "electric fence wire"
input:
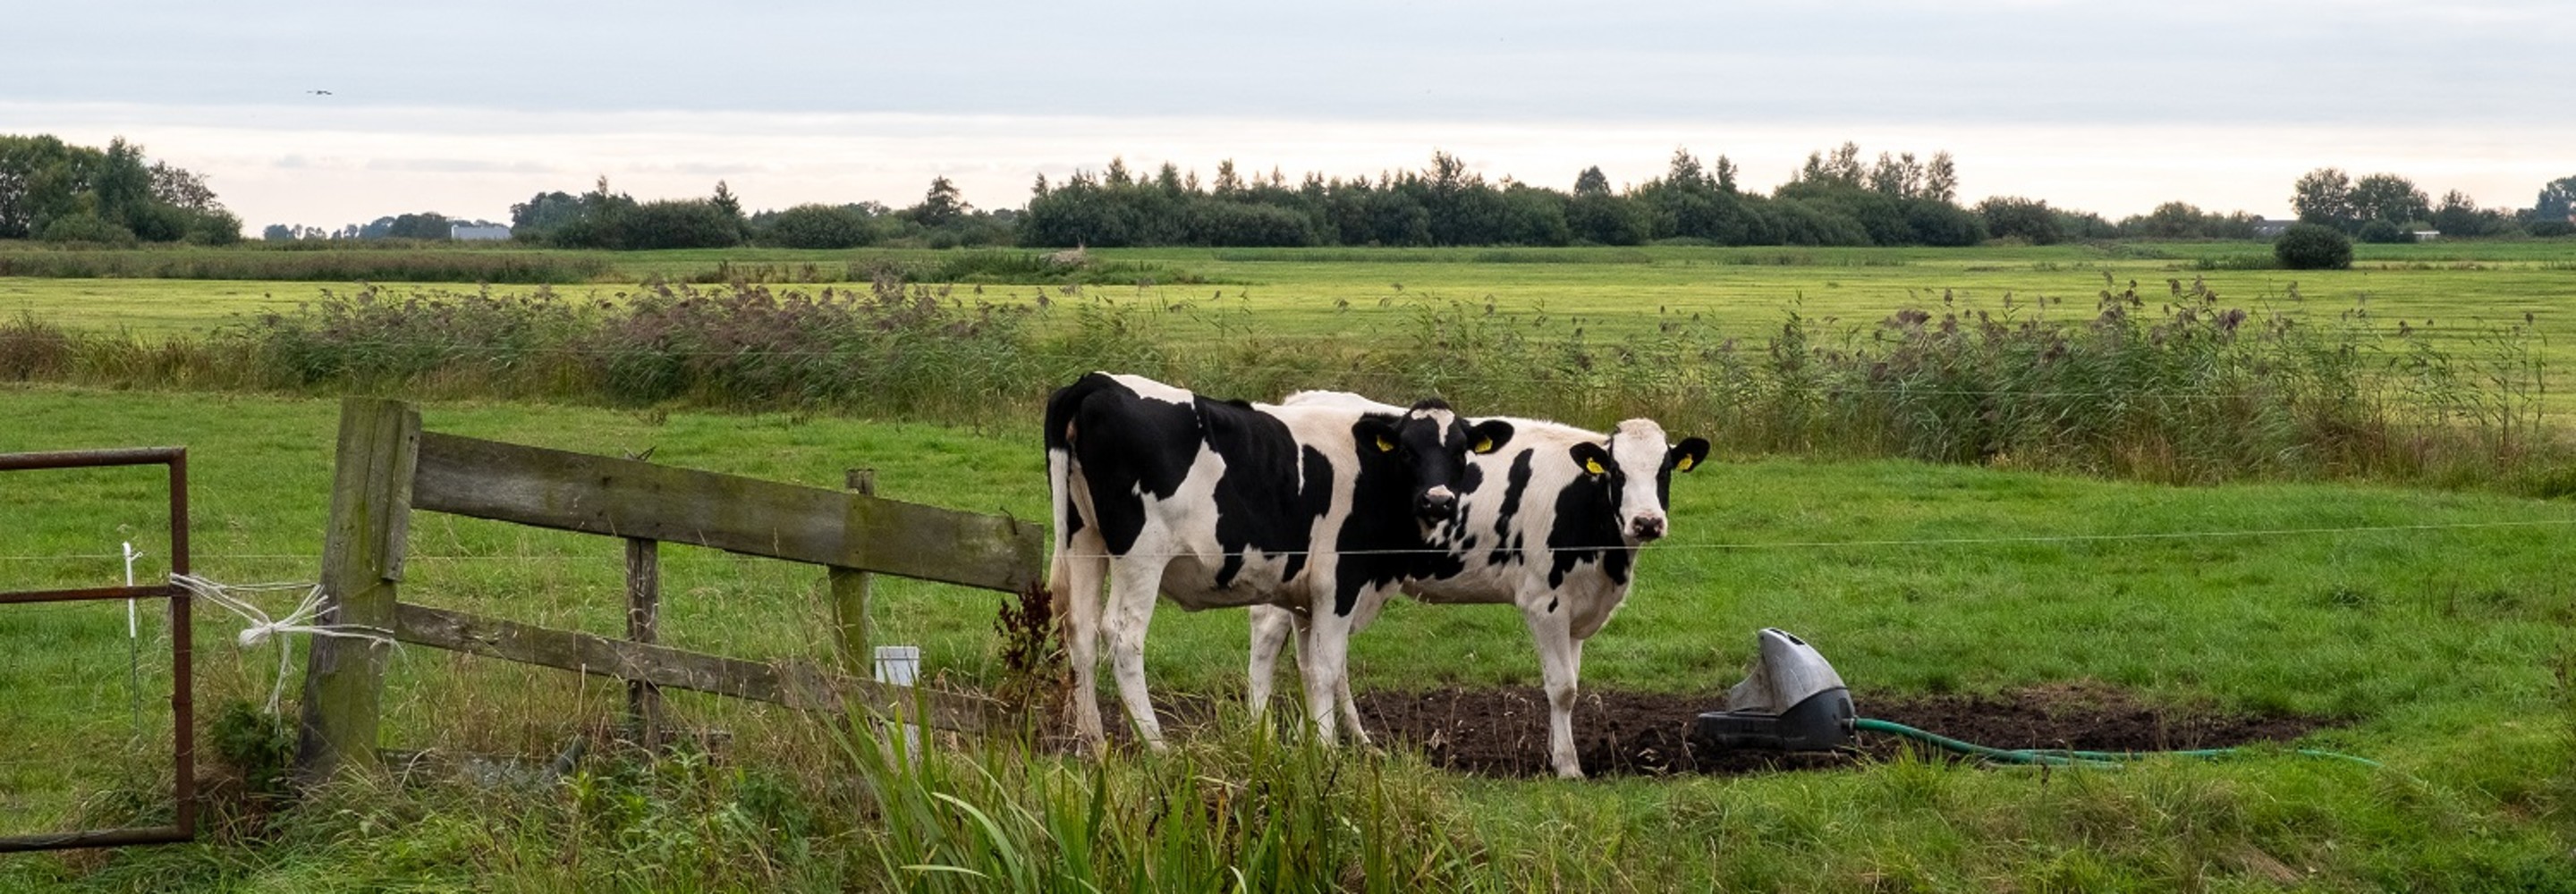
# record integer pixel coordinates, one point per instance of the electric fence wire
(1658, 546)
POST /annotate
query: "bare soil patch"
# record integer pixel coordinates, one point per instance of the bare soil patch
(1503, 732)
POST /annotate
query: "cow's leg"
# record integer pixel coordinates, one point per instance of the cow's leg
(1342, 681)
(1133, 584)
(1323, 662)
(1078, 577)
(1559, 662)
(1350, 708)
(1294, 628)
(1272, 627)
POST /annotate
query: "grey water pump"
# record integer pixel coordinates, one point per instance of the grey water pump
(1791, 701)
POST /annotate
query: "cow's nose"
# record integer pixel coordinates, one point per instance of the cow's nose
(1647, 527)
(1435, 505)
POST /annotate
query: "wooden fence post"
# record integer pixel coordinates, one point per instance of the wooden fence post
(362, 556)
(850, 592)
(643, 619)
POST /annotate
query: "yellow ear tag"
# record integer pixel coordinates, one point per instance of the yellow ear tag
(1686, 463)
(1384, 445)
(1593, 466)
(1485, 445)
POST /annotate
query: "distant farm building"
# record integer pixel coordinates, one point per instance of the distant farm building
(465, 232)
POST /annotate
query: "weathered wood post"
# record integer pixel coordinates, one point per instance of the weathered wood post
(362, 558)
(643, 620)
(850, 592)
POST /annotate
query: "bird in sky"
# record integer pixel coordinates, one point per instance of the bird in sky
(319, 92)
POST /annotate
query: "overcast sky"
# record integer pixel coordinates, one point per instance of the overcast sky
(466, 106)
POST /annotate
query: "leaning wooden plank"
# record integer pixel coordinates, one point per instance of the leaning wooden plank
(628, 498)
(796, 687)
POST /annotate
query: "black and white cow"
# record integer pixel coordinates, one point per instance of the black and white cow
(1229, 504)
(1551, 525)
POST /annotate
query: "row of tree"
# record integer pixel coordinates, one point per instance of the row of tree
(603, 218)
(60, 192)
(2389, 208)
(1835, 200)
(53, 190)
(428, 225)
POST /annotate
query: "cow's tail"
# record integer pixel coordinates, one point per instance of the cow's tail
(1059, 547)
(1061, 410)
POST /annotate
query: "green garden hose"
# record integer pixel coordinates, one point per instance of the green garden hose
(2059, 757)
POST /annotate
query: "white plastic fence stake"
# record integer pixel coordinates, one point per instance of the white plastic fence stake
(132, 630)
(900, 665)
(133, 647)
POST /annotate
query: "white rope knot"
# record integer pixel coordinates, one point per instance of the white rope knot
(262, 627)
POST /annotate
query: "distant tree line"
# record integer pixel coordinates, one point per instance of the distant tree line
(425, 225)
(58, 192)
(2389, 208)
(54, 191)
(1835, 200)
(602, 218)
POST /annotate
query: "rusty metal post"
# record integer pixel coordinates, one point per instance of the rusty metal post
(183, 789)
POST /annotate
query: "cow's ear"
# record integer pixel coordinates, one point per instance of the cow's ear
(1688, 455)
(1374, 432)
(1489, 436)
(1594, 460)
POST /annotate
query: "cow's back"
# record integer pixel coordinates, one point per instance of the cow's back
(1532, 525)
(1232, 494)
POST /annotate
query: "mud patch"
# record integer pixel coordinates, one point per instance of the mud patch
(1503, 732)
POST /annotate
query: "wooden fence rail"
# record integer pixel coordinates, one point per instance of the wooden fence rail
(388, 467)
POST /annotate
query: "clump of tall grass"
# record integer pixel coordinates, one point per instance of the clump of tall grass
(2192, 390)
(33, 349)
(2181, 387)
(888, 349)
(373, 338)
(1241, 809)
(913, 351)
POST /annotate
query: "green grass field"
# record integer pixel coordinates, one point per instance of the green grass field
(1304, 290)
(2431, 628)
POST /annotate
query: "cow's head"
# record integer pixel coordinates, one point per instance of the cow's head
(1431, 443)
(1635, 469)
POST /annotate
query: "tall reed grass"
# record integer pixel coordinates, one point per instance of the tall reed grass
(332, 264)
(2178, 386)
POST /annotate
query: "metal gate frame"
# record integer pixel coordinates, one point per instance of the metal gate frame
(182, 708)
